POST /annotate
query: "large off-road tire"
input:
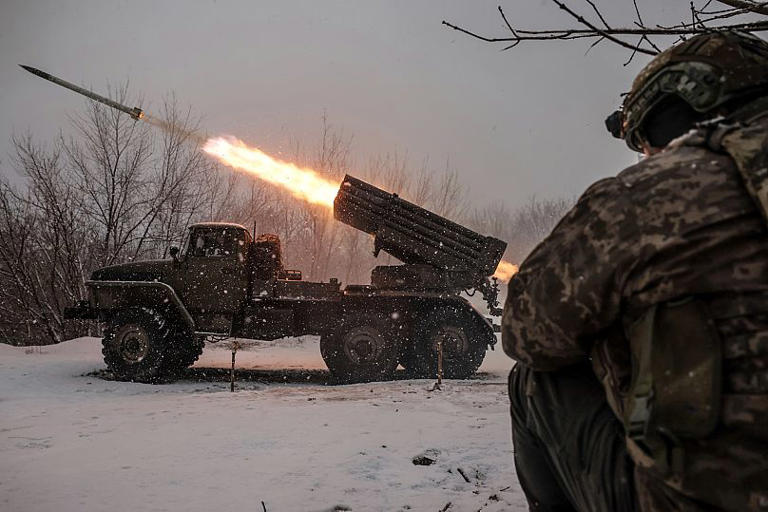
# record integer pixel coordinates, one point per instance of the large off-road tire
(135, 345)
(361, 349)
(464, 344)
(184, 350)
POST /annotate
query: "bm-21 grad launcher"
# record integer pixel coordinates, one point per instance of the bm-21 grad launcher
(438, 254)
(226, 283)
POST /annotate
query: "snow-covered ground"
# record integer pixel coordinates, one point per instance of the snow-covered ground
(72, 441)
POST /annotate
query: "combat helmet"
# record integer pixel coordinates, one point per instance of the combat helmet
(704, 71)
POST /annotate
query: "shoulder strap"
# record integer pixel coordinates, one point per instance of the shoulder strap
(748, 146)
(637, 411)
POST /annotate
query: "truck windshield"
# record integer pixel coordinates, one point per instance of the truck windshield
(215, 242)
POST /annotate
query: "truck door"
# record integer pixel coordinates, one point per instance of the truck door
(214, 279)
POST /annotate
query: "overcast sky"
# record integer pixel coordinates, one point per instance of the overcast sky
(514, 124)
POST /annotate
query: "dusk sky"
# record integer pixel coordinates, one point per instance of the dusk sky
(525, 122)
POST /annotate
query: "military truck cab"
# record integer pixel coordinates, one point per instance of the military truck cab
(232, 284)
(211, 275)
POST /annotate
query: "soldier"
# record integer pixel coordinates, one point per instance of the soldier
(640, 325)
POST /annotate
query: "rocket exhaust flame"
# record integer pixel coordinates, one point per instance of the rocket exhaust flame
(303, 183)
(505, 271)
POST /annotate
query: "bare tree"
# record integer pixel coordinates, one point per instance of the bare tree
(139, 186)
(332, 160)
(108, 154)
(634, 35)
(187, 185)
(449, 198)
(523, 227)
(43, 246)
(111, 192)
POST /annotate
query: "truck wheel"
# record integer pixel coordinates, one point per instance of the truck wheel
(185, 350)
(194, 349)
(135, 345)
(463, 344)
(361, 349)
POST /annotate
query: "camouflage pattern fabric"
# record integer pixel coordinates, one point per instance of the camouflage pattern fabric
(569, 447)
(678, 224)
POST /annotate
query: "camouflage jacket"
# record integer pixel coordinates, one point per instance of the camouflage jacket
(677, 224)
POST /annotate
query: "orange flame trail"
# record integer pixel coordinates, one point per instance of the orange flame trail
(303, 183)
(505, 271)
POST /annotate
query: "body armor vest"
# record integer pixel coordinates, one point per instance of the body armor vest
(689, 380)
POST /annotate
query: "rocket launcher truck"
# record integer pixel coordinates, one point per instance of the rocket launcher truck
(225, 283)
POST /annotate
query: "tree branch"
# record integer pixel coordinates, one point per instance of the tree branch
(580, 19)
(698, 25)
(759, 8)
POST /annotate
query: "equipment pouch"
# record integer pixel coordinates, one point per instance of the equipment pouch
(675, 391)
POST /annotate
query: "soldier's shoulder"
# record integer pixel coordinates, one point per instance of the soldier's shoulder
(610, 186)
(680, 155)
